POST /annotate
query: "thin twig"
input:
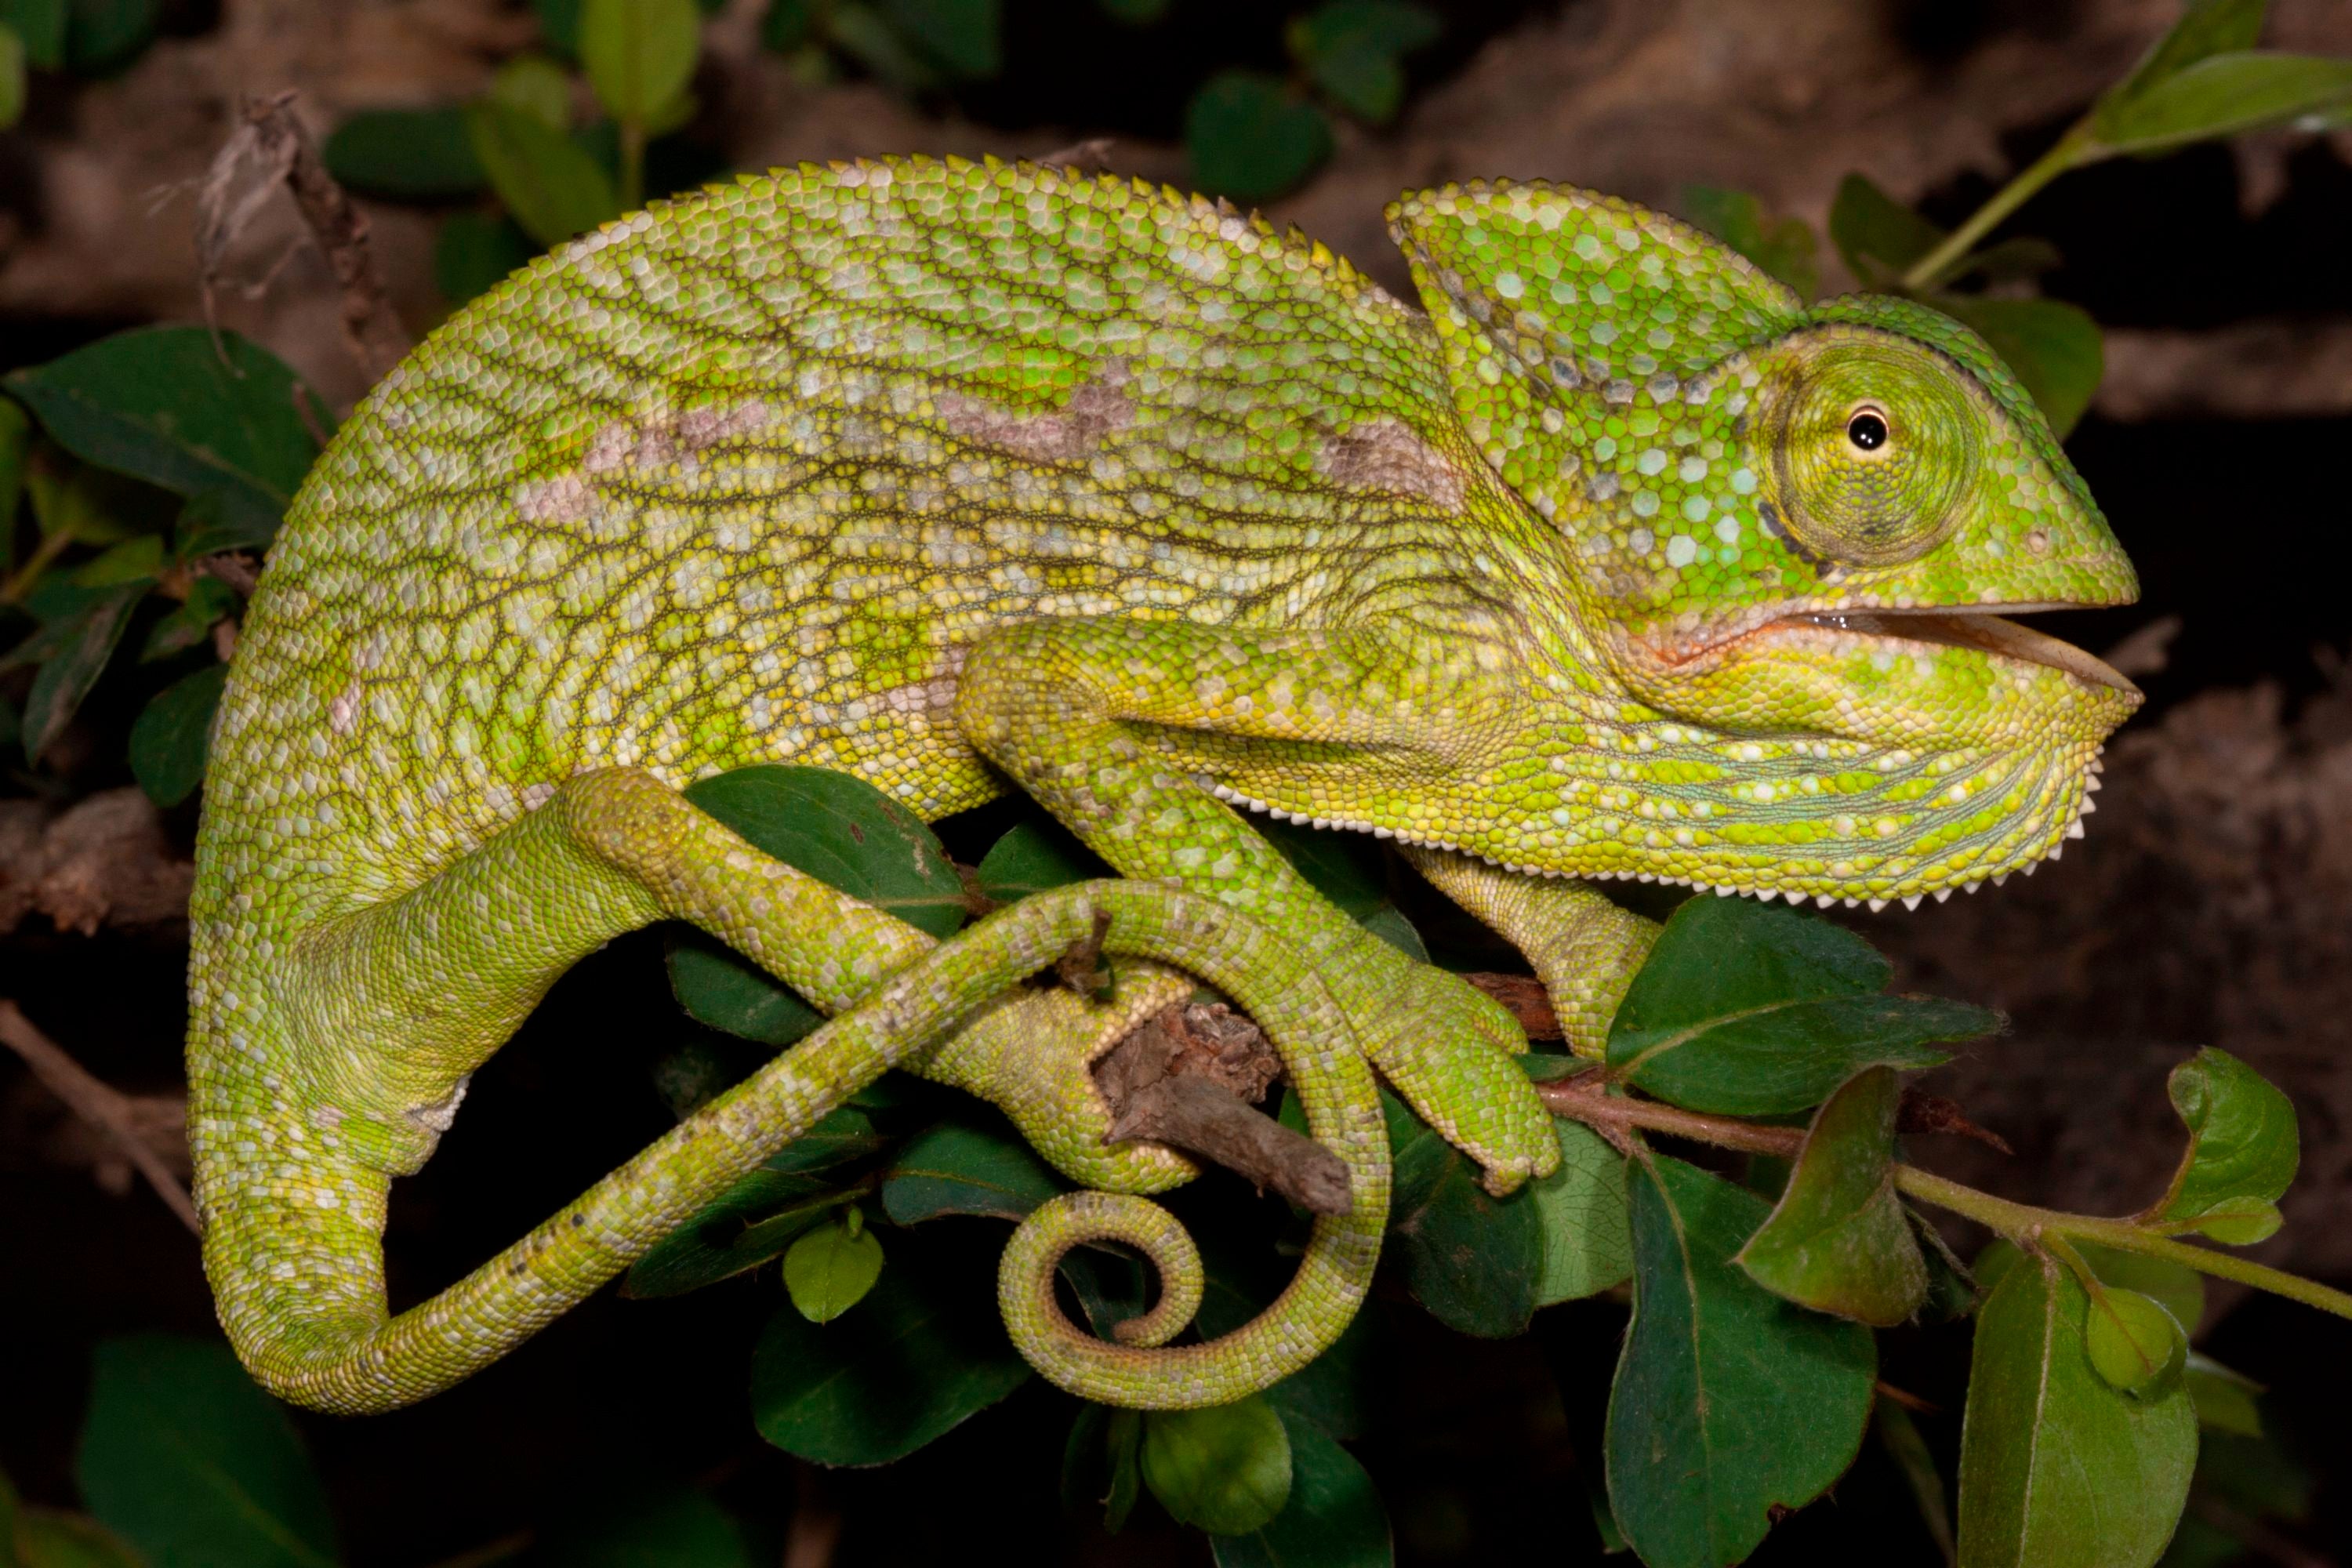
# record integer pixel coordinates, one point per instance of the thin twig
(271, 149)
(97, 1103)
(1581, 1100)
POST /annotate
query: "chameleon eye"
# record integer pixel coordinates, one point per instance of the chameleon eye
(1875, 447)
(1866, 429)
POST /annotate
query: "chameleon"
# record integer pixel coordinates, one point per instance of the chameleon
(1616, 559)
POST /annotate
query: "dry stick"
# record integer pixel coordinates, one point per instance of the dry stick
(1583, 1101)
(1163, 1085)
(96, 1103)
(371, 329)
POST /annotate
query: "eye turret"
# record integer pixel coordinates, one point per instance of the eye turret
(1875, 448)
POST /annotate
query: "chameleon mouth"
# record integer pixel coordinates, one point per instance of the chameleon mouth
(1987, 629)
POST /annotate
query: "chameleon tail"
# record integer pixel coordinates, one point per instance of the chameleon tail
(1143, 1371)
(301, 1273)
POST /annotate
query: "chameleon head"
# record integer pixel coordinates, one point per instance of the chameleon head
(1794, 541)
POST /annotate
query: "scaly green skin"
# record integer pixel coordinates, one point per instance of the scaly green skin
(943, 474)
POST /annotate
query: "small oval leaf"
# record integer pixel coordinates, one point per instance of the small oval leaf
(1225, 1469)
(639, 54)
(829, 1271)
(2134, 1342)
(172, 733)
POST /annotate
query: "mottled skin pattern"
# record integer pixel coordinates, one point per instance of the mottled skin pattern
(1620, 563)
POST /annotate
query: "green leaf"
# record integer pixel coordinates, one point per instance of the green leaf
(1588, 1242)
(1249, 139)
(839, 829)
(970, 1164)
(1729, 1401)
(171, 734)
(2054, 348)
(1032, 857)
(1333, 1520)
(419, 154)
(2226, 1400)
(2134, 1342)
(474, 253)
(190, 621)
(90, 505)
(1878, 236)
(1135, 13)
(668, 1528)
(551, 187)
(161, 405)
(1784, 249)
(2222, 95)
(1838, 1241)
(2206, 27)
(1351, 49)
(188, 1460)
(12, 76)
(962, 37)
(535, 85)
(1750, 1011)
(924, 1352)
(40, 24)
(85, 642)
(104, 34)
(2057, 1466)
(829, 1269)
(638, 54)
(1225, 1469)
(1475, 1261)
(2243, 1150)
(139, 560)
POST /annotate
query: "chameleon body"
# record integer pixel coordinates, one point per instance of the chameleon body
(1619, 562)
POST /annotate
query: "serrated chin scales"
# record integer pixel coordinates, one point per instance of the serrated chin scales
(1876, 902)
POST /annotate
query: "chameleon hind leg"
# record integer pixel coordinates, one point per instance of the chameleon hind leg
(345, 1075)
(1111, 724)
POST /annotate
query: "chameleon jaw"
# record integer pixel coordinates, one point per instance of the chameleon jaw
(1987, 628)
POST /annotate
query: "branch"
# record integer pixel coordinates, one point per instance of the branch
(1585, 1098)
(271, 149)
(1186, 1076)
(96, 1103)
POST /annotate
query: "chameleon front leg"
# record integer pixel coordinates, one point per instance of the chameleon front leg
(1585, 948)
(1105, 722)
(382, 1012)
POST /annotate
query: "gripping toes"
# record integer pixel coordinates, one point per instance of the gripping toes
(1448, 1050)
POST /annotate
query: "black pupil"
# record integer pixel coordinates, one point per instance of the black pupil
(1867, 431)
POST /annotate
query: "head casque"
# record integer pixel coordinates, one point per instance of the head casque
(1796, 536)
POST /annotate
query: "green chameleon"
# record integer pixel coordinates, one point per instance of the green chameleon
(1620, 563)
